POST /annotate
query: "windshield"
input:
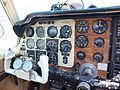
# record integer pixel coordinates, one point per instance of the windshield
(25, 7)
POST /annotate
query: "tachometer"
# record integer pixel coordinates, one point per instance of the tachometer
(81, 41)
(30, 43)
(65, 31)
(40, 44)
(82, 26)
(29, 32)
(40, 31)
(99, 26)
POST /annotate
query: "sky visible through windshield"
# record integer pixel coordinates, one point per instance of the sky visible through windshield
(25, 7)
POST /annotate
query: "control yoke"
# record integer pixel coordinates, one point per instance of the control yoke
(43, 64)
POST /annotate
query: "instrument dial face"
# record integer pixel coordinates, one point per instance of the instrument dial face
(52, 45)
(17, 63)
(53, 58)
(65, 31)
(27, 66)
(52, 31)
(99, 42)
(29, 32)
(30, 43)
(98, 57)
(81, 41)
(81, 55)
(65, 46)
(40, 31)
(40, 44)
(99, 26)
(82, 26)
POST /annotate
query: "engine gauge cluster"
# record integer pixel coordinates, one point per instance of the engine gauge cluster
(92, 42)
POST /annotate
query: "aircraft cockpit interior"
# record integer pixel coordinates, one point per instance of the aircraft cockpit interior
(67, 48)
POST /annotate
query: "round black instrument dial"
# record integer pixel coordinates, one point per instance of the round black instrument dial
(65, 46)
(82, 26)
(98, 57)
(52, 45)
(65, 31)
(52, 31)
(30, 43)
(81, 41)
(80, 55)
(99, 26)
(40, 31)
(40, 44)
(99, 42)
(29, 32)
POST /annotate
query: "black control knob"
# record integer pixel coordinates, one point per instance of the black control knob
(80, 55)
(98, 57)
(99, 42)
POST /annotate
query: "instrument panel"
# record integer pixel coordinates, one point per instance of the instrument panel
(71, 44)
(82, 49)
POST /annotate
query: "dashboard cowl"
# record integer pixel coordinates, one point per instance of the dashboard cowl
(19, 26)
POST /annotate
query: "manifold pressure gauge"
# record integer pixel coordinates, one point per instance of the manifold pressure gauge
(27, 66)
(17, 63)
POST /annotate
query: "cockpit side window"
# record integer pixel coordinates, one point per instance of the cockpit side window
(8, 38)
